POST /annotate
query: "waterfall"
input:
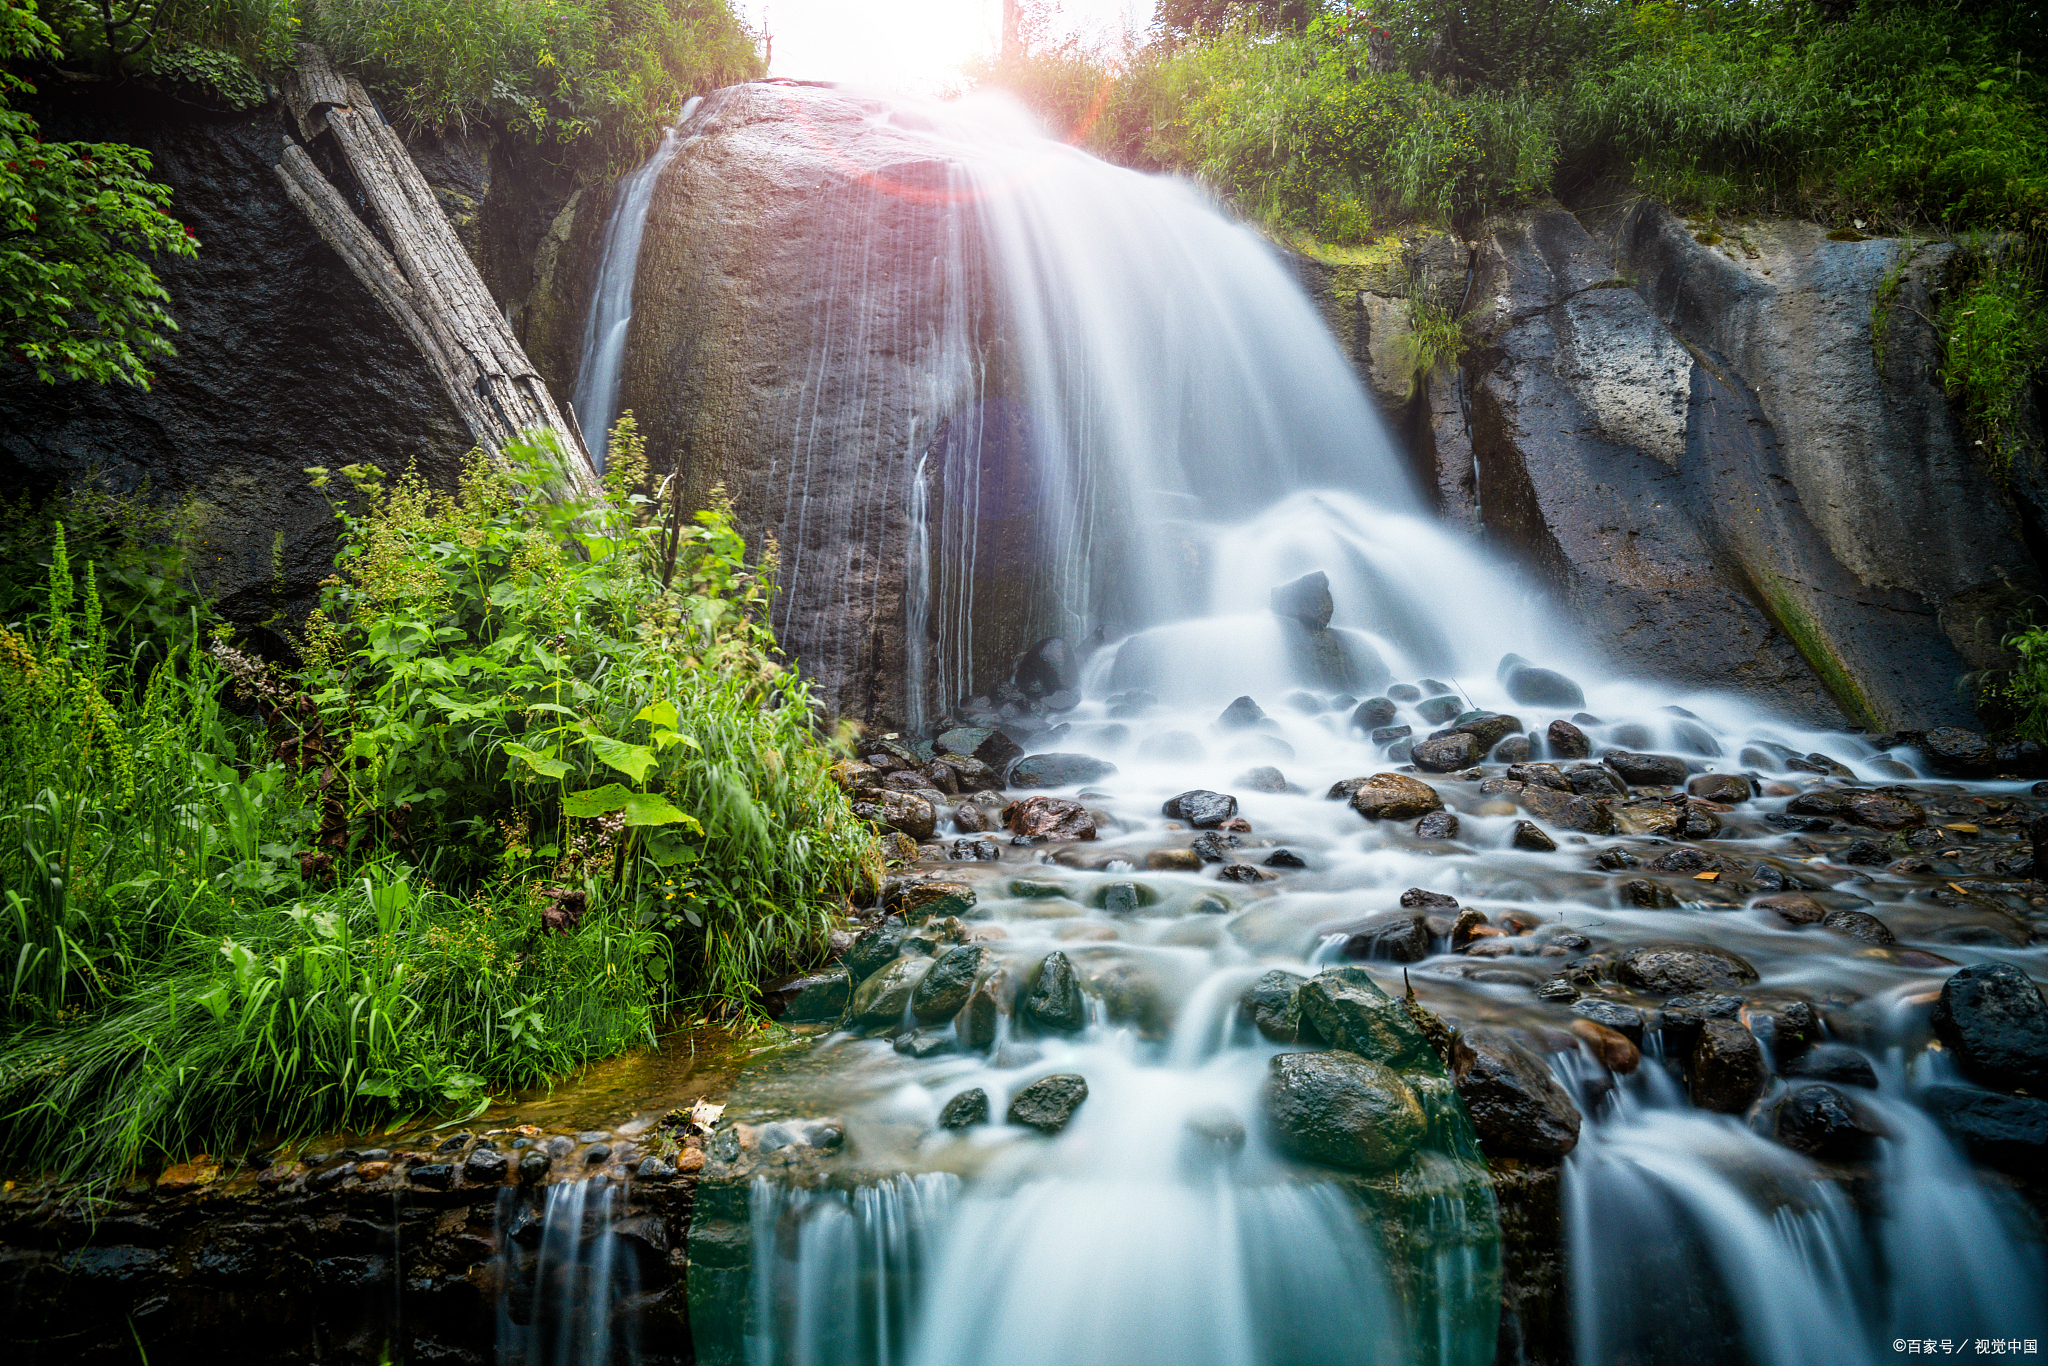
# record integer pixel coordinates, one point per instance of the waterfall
(1692, 1238)
(611, 302)
(565, 1283)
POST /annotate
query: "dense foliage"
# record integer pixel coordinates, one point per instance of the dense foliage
(541, 774)
(77, 299)
(1352, 118)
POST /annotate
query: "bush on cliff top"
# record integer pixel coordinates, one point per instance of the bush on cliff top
(541, 775)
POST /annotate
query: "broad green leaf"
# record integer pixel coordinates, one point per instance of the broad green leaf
(662, 714)
(651, 808)
(540, 761)
(631, 760)
(598, 801)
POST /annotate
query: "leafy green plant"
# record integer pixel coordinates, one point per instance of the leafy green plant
(1885, 299)
(1994, 340)
(77, 299)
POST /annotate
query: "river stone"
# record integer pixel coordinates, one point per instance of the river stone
(818, 999)
(1794, 908)
(904, 812)
(1059, 770)
(965, 1110)
(1727, 1072)
(1391, 797)
(1993, 1018)
(1201, 808)
(1447, 753)
(1879, 812)
(1859, 925)
(1958, 753)
(1529, 836)
(1124, 898)
(1564, 740)
(1624, 1020)
(1596, 780)
(969, 773)
(1730, 788)
(1516, 1106)
(882, 998)
(1837, 1064)
(944, 990)
(1049, 818)
(1533, 687)
(1567, 811)
(1489, 728)
(1272, 1005)
(1307, 600)
(876, 948)
(1821, 1122)
(924, 901)
(1392, 937)
(1265, 778)
(1173, 861)
(985, 743)
(1439, 710)
(1645, 770)
(1343, 1111)
(1055, 999)
(1437, 825)
(1214, 846)
(1046, 668)
(1242, 714)
(1375, 712)
(1048, 1104)
(484, 1167)
(2008, 1132)
(978, 1020)
(1516, 749)
(1346, 1009)
(1675, 969)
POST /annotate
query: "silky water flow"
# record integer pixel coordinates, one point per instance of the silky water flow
(1167, 430)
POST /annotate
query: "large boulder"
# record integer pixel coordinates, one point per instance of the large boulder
(1645, 770)
(1534, 687)
(1389, 797)
(1447, 753)
(1677, 969)
(1343, 1111)
(1200, 808)
(1993, 1018)
(1306, 600)
(1346, 1009)
(1059, 770)
(1049, 818)
(944, 990)
(1272, 1004)
(1054, 1002)
(884, 998)
(1516, 1106)
(2009, 1132)
(1390, 937)
(1727, 1072)
(984, 743)
(905, 812)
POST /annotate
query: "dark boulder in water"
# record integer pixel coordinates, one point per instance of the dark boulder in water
(1446, 753)
(1489, 728)
(1859, 925)
(1566, 741)
(1343, 1111)
(1534, 687)
(965, 1110)
(1391, 937)
(1054, 1002)
(1821, 1122)
(1242, 714)
(1271, 1004)
(2009, 1132)
(1517, 1107)
(945, 989)
(1049, 818)
(1673, 969)
(1958, 753)
(1438, 710)
(985, 743)
(1374, 712)
(1993, 1018)
(1388, 797)
(1306, 600)
(1645, 770)
(1264, 779)
(1048, 1104)
(1200, 808)
(1728, 788)
(1727, 1072)
(1437, 825)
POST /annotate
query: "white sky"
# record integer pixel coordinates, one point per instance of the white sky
(915, 46)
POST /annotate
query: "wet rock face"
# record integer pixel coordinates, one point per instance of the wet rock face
(2008, 1132)
(1993, 1018)
(1346, 1009)
(1780, 573)
(284, 361)
(1517, 1108)
(1054, 1003)
(1673, 969)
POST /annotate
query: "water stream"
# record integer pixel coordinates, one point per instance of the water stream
(1163, 435)
(611, 302)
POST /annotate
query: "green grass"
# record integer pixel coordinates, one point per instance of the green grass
(540, 775)
(1994, 341)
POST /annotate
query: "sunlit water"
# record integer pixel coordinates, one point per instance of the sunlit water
(1165, 434)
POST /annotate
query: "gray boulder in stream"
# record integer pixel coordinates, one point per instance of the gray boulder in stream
(1059, 770)
(884, 997)
(1054, 1002)
(1048, 1104)
(1343, 1111)
(1346, 1009)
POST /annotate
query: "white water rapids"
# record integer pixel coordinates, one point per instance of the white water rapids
(1164, 423)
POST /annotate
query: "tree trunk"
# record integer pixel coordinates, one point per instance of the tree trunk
(423, 278)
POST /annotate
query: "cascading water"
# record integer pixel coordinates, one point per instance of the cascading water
(1132, 430)
(611, 303)
(565, 1282)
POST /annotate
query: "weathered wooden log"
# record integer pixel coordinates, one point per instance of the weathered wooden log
(418, 270)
